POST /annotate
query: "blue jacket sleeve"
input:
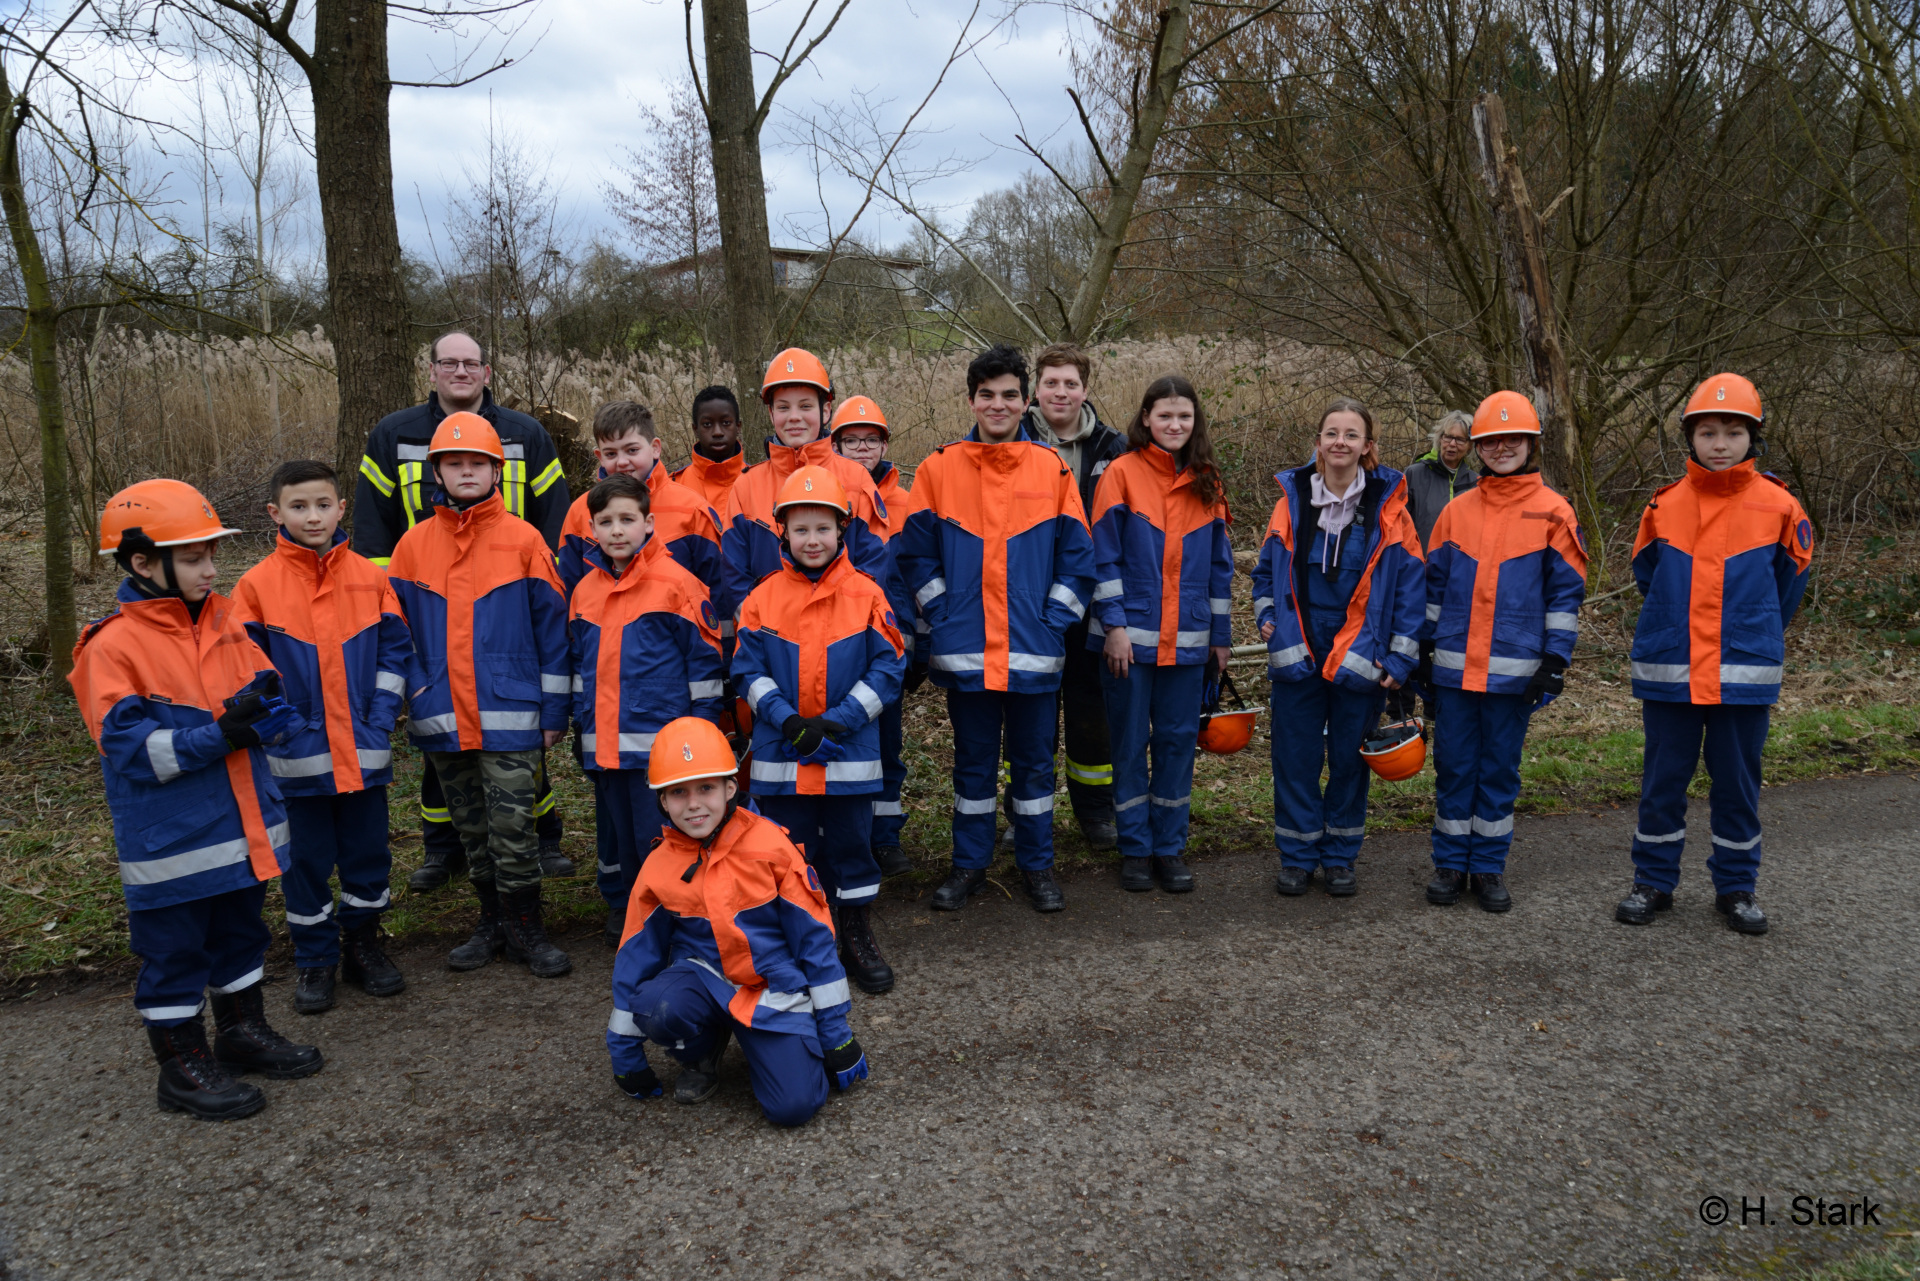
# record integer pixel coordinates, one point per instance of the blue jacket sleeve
(755, 682)
(817, 957)
(394, 674)
(706, 672)
(1072, 572)
(736, 553)
(878, 687)
(1220, 585)
(138, 747)
(550, 641)
(1408, 611)
(916, 551)
(1564, 588)
(571, 562)
(1792, 581)
(642, 955)
(1109, 563)
(1263, 579)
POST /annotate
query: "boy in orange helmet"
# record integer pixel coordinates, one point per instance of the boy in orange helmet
(180, 703)
(488, 616)
(1722, 559)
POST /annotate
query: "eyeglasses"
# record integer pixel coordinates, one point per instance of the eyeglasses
(861, 442)
(459, 366)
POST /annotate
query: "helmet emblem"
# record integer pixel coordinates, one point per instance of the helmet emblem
(1503, 415)
(1721, 394)
(789, 366)
(686, 751)
(456, 431)
(807, 484)
(863, 411)
(208, 510)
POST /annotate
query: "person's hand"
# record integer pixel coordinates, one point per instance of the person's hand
(1387, 682)
(1220, 655)
(237, 722)
(802, 733)
(1118, 652)
(642, 1084)
(847, 1064)
(552, 736)
(1266, 631)
(1549, 680)
(278, 721)
(916, 677)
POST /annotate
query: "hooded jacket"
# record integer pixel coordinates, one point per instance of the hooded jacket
(331, 624)
(1163, 565)
(1089, 454)
(192, 817)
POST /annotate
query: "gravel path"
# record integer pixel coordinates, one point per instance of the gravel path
(1225, 1084)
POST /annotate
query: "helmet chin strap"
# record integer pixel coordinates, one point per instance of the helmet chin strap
(145, 585)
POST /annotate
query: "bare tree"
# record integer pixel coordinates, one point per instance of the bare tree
(666, 200)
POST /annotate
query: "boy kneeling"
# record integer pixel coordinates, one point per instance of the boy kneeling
(728, 935)
(180, 701)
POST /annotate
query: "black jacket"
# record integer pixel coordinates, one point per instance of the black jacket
(394, 491)
(1430, 486)
(1099, 445)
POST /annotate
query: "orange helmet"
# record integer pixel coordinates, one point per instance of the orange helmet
(1225, 733)
(465, 433)
(158, 513)
(1725, 394)
(687, 749)
(1396, 751)
(812, 487)
(796, 365)
(1505, 413)
(860, 411)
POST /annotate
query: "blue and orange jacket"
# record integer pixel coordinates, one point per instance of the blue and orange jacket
(746, 914)
(712, 481)
(331, 624)
(1163, 565)
(999, 562)
(750, 540)
(646, 650)
(832, 649)
(1381, 636)
(895, 497)
(1722, 558)
(192, 818)
(489, 622)
(1506, 572)
(682, 522)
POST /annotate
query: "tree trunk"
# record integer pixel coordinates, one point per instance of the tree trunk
(1163, 85)
(366, 294)
(43, 318)
(1524, 257)
(740, 191)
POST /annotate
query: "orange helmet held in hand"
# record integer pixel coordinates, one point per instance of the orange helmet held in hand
(465, 433)
(689, 749)
(860, 411)
(1505, 413)
(1225, 733)
(812, 487)
(1725, 394)
(158, 513)
(1396, 751)
(796, 365)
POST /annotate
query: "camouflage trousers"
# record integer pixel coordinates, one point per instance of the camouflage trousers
(490, 798)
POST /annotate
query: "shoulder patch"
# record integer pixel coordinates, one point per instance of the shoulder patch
(813, 880)
(1805, 534)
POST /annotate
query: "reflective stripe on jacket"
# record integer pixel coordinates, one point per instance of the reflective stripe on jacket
(1388, 608)
(999, 562)
(331, 624)
(1722, 559)
(1163, 565)
(489, 623)
(831, 649)
(645, 650)
(746, 914)
(750, 540)
(1506, 572)
(192, 818)
(682, 522)
(711, 480)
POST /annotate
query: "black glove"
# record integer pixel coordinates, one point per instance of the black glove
(244, 711)
(1423, 673)
(1549, 680)
(913, 680)
(639, 1085)
(847, 1064)
(801, 732)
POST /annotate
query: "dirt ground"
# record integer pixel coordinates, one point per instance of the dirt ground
(1225, 1084)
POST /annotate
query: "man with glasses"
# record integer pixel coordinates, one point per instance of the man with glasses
(392, 498)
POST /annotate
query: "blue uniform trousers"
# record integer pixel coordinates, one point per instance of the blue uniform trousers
(217, 942)
(1733, 736)
(1316, 723)
(629, 811)
(1153, 723)
(676, 1011)
(834, 832)
(1029, 721)
(346, 834)
(1477, 740)
(888, 817)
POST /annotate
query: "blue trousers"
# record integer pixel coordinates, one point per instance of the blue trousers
(1153, 723)
(218, 942)
(675, 1011)
(1316, 723)
(1029, 722)
(345, 834)
(630, 813)
(1733, 735)
(1477, 740)
(888, 817)
(835, 833)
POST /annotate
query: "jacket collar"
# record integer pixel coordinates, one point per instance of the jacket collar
(475, 518)
(787, 459)
(1035, 424)
(885, 475)
(1719, 483)
(837, 568)
(168, 614)
(649, 555)
(1163, 463)
(1505, 490)
(1020, 433)
(304, 561)
(486, 407)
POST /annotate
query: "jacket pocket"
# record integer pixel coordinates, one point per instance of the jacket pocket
(1659, 643)
(1761, 640)
(187, 809)
(510, 682)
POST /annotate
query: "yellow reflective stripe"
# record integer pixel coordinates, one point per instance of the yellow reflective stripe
(543, 805)
(376, 477)
(410, 503)
(513, 486)
(1093, 775)
(435, 815)
(544, 481)
(381, 561)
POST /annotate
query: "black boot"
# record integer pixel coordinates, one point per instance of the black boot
(962, 883)
(1174, 875)
(1742, 912)
(892, 859)
(1340, 882)
(526, 937)
(442, 858)
(487, 938)
(364, 963)
(1099, 830)
(1638, 907)
(1136, 874)
(1491, 889)
(699, 1080)
(246, 1042)
(192, 1080)
(1044, 890)
(552, 862)
(860, 951)
(1293, 881)
(1444, 889)
(314, 992)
